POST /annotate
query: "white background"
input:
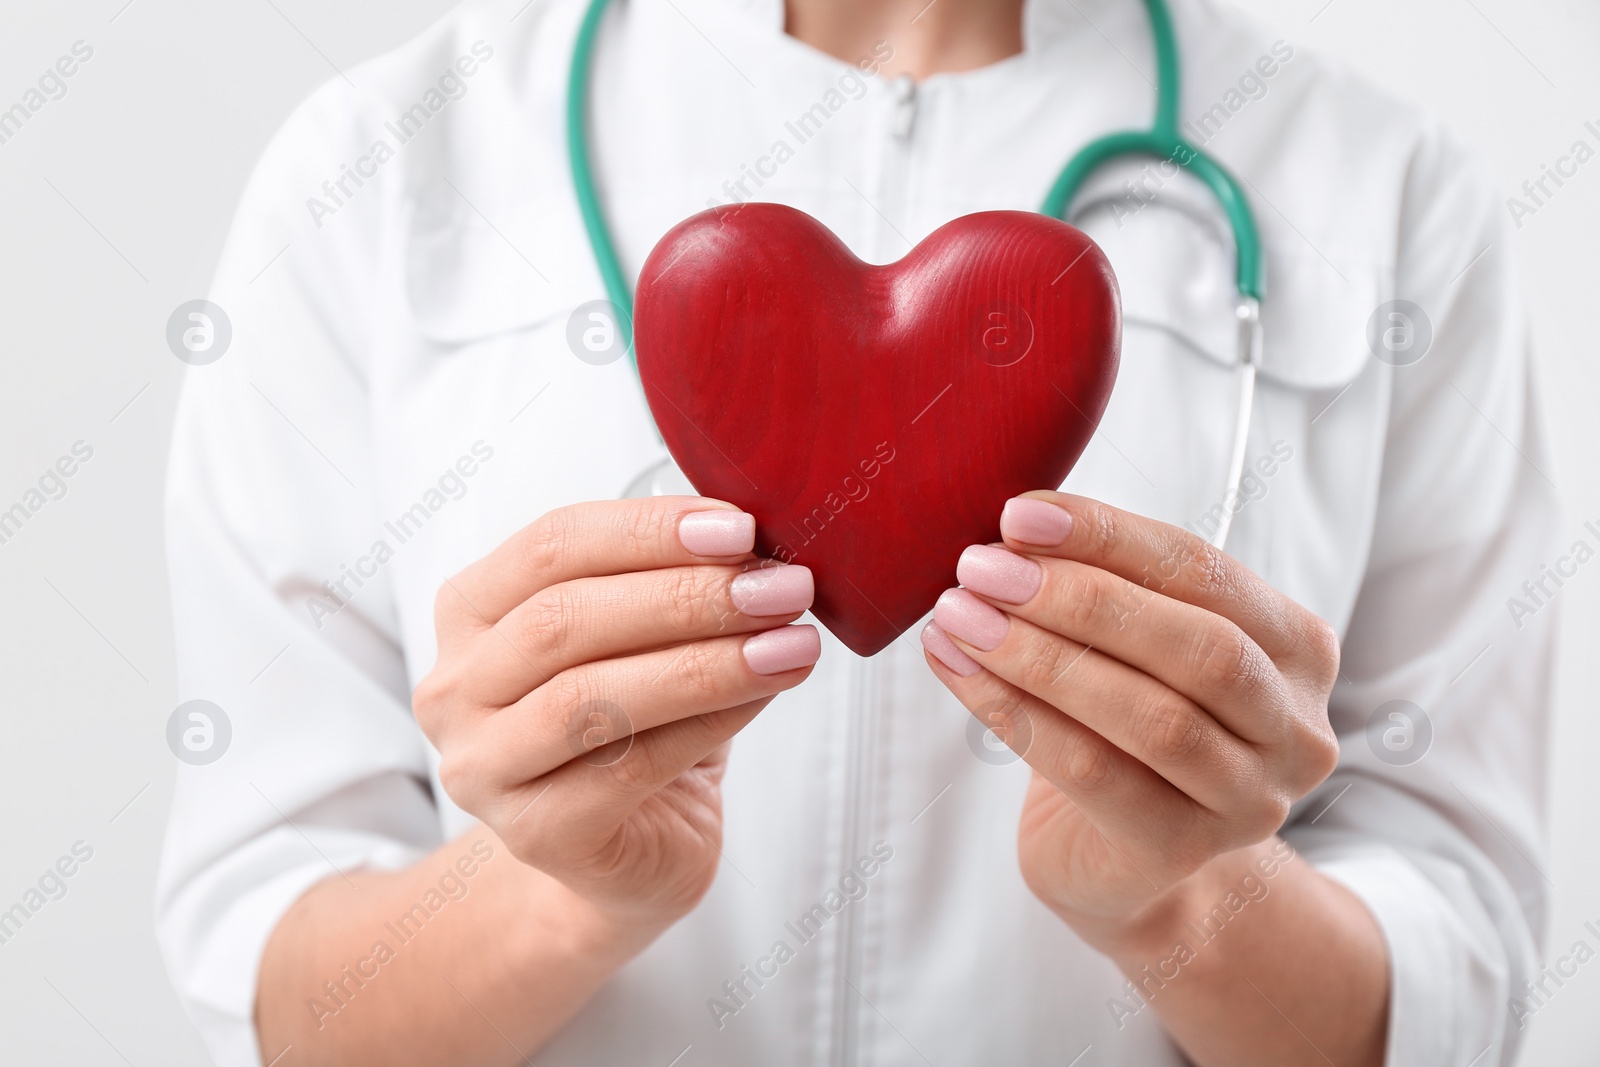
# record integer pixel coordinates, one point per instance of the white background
(113, 205)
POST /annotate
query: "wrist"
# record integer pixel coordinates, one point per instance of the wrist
(1187, 913)
(1147, 932)
(591, 934)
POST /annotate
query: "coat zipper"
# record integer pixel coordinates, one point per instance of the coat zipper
(865, 692)
(905, 107)
(860, 735)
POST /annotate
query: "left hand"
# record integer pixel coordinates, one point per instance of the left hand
(1171, 703)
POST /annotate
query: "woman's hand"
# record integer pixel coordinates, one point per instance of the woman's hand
(1171, 703)
(591, 672)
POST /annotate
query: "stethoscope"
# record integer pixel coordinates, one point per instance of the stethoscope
(1161, 141)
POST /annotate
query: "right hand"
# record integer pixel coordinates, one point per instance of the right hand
(591, 672)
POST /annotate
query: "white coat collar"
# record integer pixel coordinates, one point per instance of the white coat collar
(1044, 22)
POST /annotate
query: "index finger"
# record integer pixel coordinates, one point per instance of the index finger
(595, 539)
(1163, 558)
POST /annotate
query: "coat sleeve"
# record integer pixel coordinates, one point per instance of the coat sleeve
(1435, 816)
(270, 500)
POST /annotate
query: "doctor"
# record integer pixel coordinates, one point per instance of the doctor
(483, 801)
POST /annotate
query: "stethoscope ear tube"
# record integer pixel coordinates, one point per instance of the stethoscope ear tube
(1248, 313)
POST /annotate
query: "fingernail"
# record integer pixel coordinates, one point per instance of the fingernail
(999, 573)
(960, 614)
(773, 590)
(1035, 522)
(783, 649)
(939, 645)
(717, 533)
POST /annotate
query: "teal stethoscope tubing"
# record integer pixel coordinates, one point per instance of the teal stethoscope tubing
(1161, 141)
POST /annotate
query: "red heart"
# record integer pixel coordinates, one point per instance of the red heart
(875, 419)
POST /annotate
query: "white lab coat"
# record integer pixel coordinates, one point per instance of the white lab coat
(421, 317)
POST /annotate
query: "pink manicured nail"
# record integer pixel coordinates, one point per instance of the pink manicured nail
(999, 573)
(962, 615)
(783, 649)
(772, 590)
(717, 533)
(1035, 522)
(939, 645)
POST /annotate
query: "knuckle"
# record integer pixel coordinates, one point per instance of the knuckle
(431, 701)
(444, 608)
(700, 670)
(1264, 818)
(1321, 642)
(1174, 731)
(1008, 718)
(1104, 528)
(686, 600)
(531, 835)
(1260, 807)
(460, 778)
(523, 845)
(428, 697)
(637, 769)
(545, 622)
(1044, 661)
(1206, 568)
(547, 541)
(1088, 765)
(645, 524)
(455, 617)
(1277, 814)
(562, 696)
(1328, 754)
(1319, 753)
(1225, 661)
(581, 719)
(1088, 599)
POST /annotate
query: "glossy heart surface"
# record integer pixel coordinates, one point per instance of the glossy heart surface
(875, 419)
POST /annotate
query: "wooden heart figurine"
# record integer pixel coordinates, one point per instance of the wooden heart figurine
(875, 419)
